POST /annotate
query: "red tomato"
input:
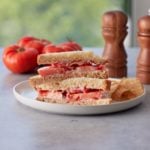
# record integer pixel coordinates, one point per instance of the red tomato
(52, 49)
(88, 95)
(45, 71)
(24, 40)
(67, 48)
(33, 42)
(45, 42)
(37, 44)
(20, 60)
(71, 46)
(74, 45)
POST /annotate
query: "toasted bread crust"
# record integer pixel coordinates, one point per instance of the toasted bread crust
(84, 102)
(69, 57)
(37, 80)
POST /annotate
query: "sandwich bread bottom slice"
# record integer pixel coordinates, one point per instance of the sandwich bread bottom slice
(87, 102)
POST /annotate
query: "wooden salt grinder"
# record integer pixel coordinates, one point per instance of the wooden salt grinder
(114, 31)
(143, 60)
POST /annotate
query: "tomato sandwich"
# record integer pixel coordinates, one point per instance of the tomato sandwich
(60, 68)
(76, 91)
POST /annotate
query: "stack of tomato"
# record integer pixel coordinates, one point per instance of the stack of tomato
(22, 56)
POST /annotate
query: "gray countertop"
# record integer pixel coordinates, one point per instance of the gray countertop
(23, 128)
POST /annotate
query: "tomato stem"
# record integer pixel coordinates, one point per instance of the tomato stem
(21, 49)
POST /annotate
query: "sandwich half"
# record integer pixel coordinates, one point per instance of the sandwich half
(69, 65)
(77, 77)
(77, 91)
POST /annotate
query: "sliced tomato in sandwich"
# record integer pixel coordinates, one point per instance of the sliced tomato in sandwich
(59, 68)
(84, 95)
(49, 70)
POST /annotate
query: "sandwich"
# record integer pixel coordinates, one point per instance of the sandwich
(60, 66)
(76, 91)
(71, 77)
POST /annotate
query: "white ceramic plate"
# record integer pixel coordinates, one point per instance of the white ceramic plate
(27, 96)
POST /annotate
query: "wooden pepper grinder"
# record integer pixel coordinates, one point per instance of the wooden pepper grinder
(143, 60)
(114, 31)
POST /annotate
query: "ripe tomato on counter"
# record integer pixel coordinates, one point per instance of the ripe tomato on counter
(51, 48)
(62, 47)
(33, 42)
(45, 42)
(70, 46)
(25, 40)
(36, 44)
(19, 59)
(22, 56)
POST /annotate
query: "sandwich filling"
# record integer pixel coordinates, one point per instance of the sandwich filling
(71, 95)
(62, 68)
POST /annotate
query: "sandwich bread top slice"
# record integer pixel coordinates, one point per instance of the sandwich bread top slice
(74, 56)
